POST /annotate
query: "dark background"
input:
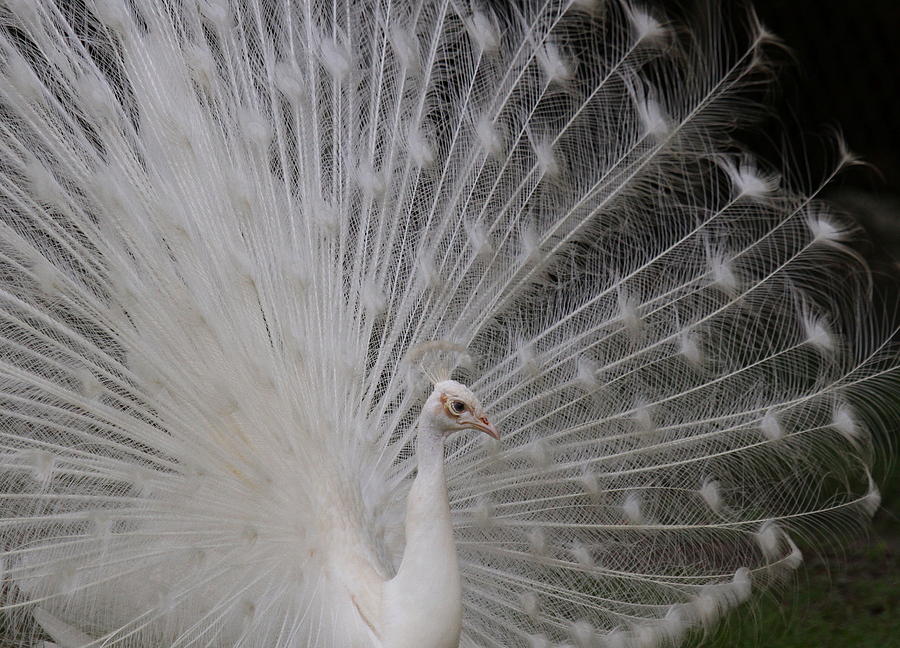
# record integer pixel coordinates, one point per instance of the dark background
(840, 72)
(847, 58)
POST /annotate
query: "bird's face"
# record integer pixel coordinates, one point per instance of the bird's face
(456, 408)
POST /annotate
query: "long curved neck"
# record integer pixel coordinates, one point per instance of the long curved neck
(429, 533)
(423, 602)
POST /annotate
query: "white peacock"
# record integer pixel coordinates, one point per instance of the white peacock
(224, 224)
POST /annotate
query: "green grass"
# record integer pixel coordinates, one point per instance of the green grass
(855, 606)
(848, 599)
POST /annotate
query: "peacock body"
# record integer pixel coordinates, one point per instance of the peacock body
(238, 237)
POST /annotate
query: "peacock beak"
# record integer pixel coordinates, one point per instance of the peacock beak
(485, 426)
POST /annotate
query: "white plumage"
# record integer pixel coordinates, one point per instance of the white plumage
(230, 232)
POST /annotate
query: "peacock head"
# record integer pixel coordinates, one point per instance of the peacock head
(453, 408)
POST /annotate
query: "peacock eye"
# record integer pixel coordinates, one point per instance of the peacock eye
(457, 407)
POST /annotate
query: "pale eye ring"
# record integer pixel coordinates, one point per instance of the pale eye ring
(457, 407)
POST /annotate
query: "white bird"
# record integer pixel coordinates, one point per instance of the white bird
(242, 241)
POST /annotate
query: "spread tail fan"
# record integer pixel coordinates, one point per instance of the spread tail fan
(231, 231)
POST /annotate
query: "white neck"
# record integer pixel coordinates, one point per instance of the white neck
(422, 604)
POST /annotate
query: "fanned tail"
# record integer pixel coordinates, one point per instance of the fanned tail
(225, 224)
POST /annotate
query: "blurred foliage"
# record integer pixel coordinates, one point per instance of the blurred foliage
(849, 598)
